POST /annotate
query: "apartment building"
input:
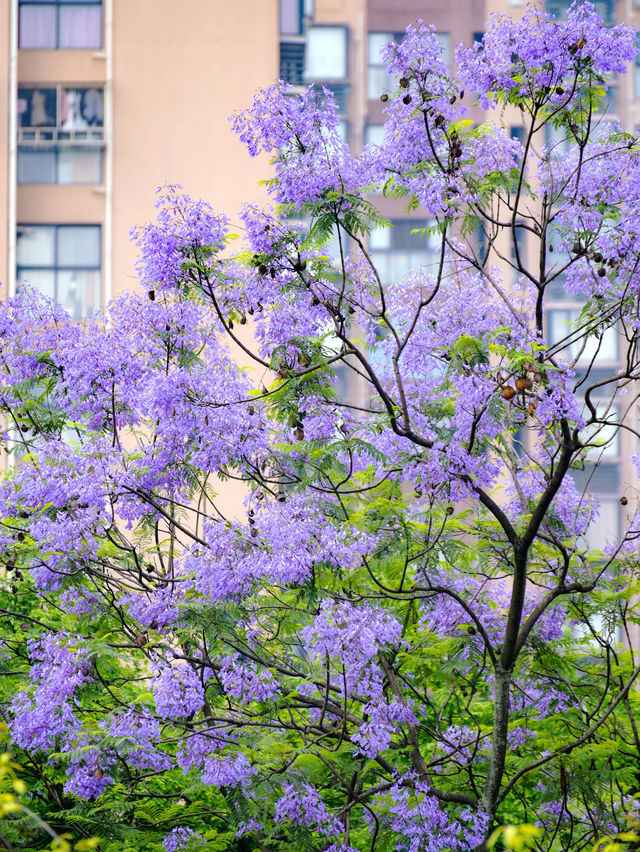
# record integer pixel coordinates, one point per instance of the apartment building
(102, 102)
(105, 100)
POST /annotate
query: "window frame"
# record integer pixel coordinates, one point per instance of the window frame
(58, 5)
(55, 267)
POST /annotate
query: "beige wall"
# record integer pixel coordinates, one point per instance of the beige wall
(180, 68)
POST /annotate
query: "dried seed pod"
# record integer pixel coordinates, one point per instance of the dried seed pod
(404, 82)
(602, 272)
(254, 532)
(532, 408)
(521, 383)
(154, 625)
(508, 392)
(439, 120)
(152, 295)
(623, 500)
(384, 97)
(471, 630)
(452, 99)
(559, 90)
(406, 99)
(449, 510)
(142, 638)
(299, 433)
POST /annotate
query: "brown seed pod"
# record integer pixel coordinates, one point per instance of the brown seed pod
(251, 410)
(559, 90)
(623, 501)
(471, 630)
(154, 625)
(521, 383)
(449, 510)
(384, 97)
(152, 295)
(299, 433)
(508, 392)
(406, 99)
(262, 269)
(254, 532)
(452, 99)
(141, 639)
(597, 257)
(404, 82)
(602, 272)
(532, 408)
(439, 120)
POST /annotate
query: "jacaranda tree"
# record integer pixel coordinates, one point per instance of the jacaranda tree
(404, 639)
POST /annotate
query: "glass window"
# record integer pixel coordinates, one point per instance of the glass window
(378, 80)
(605, 525)
(64, 262)
(291, 17)
(36, 166)
(59, 165)
(399, 249)
(605, 437)
(374, 134)
(326, 57)
(60, 24)
(561, 323)
(444, 40)
(60, 135)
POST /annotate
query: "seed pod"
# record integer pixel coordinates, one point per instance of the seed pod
(251, 410)
(406, 99)
(462, 94)
(154, 625)
(152, 295)
(471, 630)
(250, 310)
(449, 510)
(597, 257)
(254, 532)
(623, 501)
(602, 272)
(452, 99)
(404, 82)
(581, 42)
(508, 392)
(384, 97)
(281, 497)
(559, 90)
(262, 269)
(439, 120)
(299, 433)
(521, 383)
(142, 638)
(532, 408)
(573, 49)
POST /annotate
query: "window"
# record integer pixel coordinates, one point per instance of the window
(47, 24)
(292, 62)
(604, 8)
(374, 134)
(291, 14)
(396, 250)
(561, 322)
(60, 135)
(378, 78)
(63, 261)
(326, 57)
